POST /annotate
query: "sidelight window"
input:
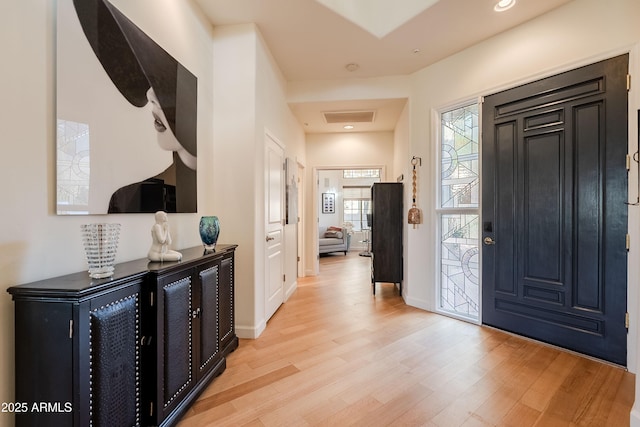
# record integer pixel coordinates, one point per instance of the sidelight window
(458, 213)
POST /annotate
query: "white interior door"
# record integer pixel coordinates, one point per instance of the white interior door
(274, 205)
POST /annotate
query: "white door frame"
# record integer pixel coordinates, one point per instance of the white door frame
(300, 224)
(316, 205)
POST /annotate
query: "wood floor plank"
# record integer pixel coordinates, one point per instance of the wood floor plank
(388, 412)
(520, 415)
(336, 355)
(423, 413)
(353, 412)
(550, 380)
(230, 394)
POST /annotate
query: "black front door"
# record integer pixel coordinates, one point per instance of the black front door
(554, 219)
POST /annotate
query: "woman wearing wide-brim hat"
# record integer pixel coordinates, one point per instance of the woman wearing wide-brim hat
(144, 73)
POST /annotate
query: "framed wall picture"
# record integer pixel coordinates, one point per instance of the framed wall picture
(328, 203)
(126, 117)
(291, 200)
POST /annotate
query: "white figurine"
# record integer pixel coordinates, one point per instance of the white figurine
(161, 240)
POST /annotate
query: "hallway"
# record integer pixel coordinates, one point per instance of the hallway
(335, 355)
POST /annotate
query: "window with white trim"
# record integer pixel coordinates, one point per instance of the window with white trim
(356, 203)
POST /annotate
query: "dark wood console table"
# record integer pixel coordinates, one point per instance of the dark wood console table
(135, 349)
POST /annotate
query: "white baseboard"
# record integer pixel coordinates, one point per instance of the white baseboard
(288, 292)
(417, 303)
(253, 332)
(250, 332)
(634, 417)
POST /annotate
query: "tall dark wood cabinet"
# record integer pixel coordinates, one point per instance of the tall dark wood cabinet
(132, 350)
(386, 234)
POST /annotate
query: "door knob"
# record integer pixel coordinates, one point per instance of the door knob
(270, 238)
(489, 241)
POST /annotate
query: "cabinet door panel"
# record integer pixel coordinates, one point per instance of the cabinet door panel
(227, 329)
(114, 363)
(209, 342)
(44, 361)
(177, 338)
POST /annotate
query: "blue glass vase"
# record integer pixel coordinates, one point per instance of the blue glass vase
(209, 232)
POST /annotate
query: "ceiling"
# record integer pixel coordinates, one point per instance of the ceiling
(317, 39)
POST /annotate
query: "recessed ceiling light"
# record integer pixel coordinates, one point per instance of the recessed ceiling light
(352, 67)
(348, 127)
(503, 5)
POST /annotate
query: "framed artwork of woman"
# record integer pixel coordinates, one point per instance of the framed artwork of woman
(127, 117)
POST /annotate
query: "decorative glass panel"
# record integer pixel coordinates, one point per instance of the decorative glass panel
(361, 173)
(73, 167)
(460, 179)
(459, 281)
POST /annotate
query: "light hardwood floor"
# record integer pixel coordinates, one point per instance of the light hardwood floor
(335, 355)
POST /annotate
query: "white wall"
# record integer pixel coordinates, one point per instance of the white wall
(339, 90)
(234, 110)
(330, 181)
(633, 302)
(34, 242)
(402, 156)
(342, 150)
(249, 101)
(274, 116)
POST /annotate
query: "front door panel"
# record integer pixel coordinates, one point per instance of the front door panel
(554, 192)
